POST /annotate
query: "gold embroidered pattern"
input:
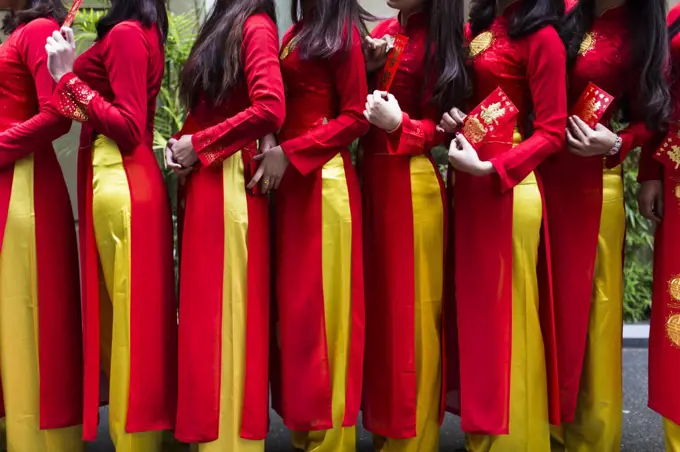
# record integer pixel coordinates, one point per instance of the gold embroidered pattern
(480, 43)
(474, 130)
(673, 329)
(591, 109)
(288, 48)
(75, 100)
(587, 44)
(677, 192)
(674, 155)
(491, 113)
(69, 108)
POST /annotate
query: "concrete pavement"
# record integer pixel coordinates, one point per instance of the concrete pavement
(642, 430)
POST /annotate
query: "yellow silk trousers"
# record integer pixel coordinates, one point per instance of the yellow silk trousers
(428, 243)
(671, 435)
(19, 368)
(112, 227)
(598, 421)
(336, 261)
(529, 425)
(234, 309)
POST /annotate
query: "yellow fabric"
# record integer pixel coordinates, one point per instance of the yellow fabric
(112, 228)
(598, 421)
(19, 365)
(336, 251)
(234, 310)
(529, 426)
(428, 241)
(672, 435)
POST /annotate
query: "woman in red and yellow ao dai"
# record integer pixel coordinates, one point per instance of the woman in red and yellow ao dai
(405, 219)
(584, 197)
(223, 399)
(130, 317)
(40, 329)
(319, 268)
(508, 387)
(659, 201)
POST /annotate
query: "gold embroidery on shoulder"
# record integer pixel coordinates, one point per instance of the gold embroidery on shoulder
(480, 43)
(673, 329)
(587, 44)
(288, 48)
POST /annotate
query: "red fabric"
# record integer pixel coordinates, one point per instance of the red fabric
(317, 90)
(390, 394)
(28, 126)
(253, 109)
(664, 354)
(115, 87)
(573, 187)
(532, 72)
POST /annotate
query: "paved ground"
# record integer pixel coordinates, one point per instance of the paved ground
(642, 431)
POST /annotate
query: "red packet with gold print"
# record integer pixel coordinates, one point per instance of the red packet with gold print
(392, 62)
(669, 151)
(71, 16)
(592, 105)
(495, 111)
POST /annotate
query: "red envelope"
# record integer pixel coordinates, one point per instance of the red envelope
(71, 16)
(592, 105)
(669, 151)
(392, 62)
(495, 111)
(250, 166)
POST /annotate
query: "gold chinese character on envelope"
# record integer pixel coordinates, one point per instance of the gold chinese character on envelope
(495, 111)
(592, 105)
(669, 151)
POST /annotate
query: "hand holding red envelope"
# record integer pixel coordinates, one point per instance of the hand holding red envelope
(495, 111)
(592, 105)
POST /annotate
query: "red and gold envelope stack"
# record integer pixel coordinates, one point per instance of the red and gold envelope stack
(72, 13)
(494, 112)
(669, 151)
(393, 58)
(592, 105)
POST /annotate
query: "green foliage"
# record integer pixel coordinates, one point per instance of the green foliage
(637, 273)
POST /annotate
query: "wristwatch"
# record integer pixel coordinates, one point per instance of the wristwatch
(617, 146)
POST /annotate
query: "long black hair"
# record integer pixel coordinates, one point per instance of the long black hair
(674, 29)
(35, 9)
(147, 12)
(446, 57)
(529, 17)
(648, 56)
(327, 25)
(214, 64)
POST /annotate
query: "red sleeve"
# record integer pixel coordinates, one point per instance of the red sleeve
(265, 87)
(312, 150)
(546, 74)
(417, 136)
(126, 59)
(45, 127)
(649, 167)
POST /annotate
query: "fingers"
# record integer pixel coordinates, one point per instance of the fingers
(458, 116)
(448, 124)
(170, 161)
(256, 177)
(59, 39)
(67, 33)
(584, 128)
(463, 142)
(259, 157)
(572, 142)
(577, 132)
(380, 95)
